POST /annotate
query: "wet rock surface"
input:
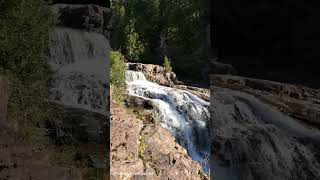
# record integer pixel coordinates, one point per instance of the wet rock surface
(257, 132)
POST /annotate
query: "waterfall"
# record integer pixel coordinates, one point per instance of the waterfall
(81, 62)
(80, 51)
(182, 113)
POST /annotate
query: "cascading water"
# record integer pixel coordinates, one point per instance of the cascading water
(182, 113)
(80, 60)
(80, 51)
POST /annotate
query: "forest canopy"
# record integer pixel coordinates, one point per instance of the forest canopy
(147, 31)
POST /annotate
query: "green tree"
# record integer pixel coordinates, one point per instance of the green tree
(117, 75)
(167, 64)
(164, 27)
(117, 69)
(133, 47)
(24, 34)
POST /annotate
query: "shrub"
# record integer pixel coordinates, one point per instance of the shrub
(117, 69)
(24, 34)
(117, 74)
(167, 64)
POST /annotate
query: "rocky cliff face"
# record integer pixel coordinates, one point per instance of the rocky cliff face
(263, 130)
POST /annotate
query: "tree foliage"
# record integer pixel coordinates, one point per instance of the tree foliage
(117, 69)
(167, 64)
(164, 28)
(117, 75)
(24, 33)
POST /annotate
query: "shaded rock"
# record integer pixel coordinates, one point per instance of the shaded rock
(135, 101)
(25, 161)
(220, 68)
(4, 96)
(91, 18)
(76, 125)
(103, 3)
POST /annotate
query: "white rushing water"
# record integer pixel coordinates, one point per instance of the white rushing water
(182, 113)
(80, 61)
(79, 51)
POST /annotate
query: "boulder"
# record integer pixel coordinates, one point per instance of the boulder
(217, 67)
(155, 73)
(91, 18)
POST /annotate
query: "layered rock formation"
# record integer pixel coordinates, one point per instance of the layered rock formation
(263, 130)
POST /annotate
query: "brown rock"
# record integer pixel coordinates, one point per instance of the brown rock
(155, 73)
(200, 92)
(166, 157)
(140, 151)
